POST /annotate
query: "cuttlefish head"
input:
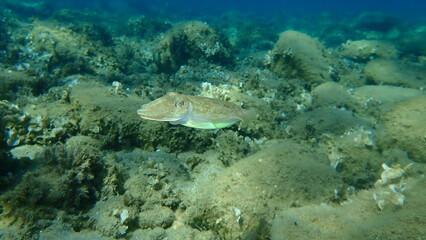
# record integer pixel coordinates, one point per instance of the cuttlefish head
(172, 107)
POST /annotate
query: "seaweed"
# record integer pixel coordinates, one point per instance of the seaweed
(69, 180)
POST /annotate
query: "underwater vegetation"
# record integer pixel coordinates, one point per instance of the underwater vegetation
(332, 143)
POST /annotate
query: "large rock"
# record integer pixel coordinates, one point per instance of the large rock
(331, 94)
(414, 42)
(385, 94)
(191, 40)
(357, 218)
(326, 121)
(364, 50)
(239, 201)
(15, 83)
(297, 55)
(405, 128)
(392, 72)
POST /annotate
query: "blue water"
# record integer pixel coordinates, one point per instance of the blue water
(404, 8)
(407, 9)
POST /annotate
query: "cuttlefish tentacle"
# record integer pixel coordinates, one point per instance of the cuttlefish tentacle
(194, 111)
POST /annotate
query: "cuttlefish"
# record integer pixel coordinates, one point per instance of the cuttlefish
(195, 112)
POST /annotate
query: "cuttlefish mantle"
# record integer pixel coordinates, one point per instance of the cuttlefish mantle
(195, 112)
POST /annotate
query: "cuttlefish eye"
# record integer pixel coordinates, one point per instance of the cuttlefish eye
(179, 104)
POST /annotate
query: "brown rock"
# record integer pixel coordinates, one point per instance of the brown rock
(404, 127)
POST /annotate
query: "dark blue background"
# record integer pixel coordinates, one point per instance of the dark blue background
(409, 8)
